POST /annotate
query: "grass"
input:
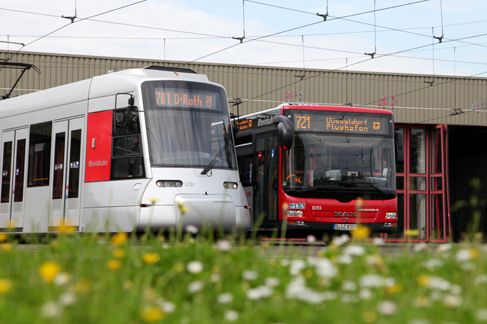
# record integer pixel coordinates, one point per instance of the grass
(118, 279)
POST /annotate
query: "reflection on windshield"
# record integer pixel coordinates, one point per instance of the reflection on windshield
(324, 163)
(189, 137)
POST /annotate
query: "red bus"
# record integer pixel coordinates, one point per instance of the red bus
(316, 168)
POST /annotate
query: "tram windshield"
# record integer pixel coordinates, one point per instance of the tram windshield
(319, 165)
(188, 125)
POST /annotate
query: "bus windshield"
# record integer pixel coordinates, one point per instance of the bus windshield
(188, 125)
(320, 164)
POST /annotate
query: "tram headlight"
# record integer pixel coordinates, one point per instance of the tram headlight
(230, 185)
(169, 183)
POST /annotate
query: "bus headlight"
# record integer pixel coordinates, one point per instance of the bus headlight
(391, 215)
(169, 183)
(230, 185)
(294, 213)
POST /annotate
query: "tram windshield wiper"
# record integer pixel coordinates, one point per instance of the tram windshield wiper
(214, 160)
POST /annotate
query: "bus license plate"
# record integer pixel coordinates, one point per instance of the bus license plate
(344, 227)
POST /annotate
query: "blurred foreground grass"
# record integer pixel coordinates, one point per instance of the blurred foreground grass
(117, 279)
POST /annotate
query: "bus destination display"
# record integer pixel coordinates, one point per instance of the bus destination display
(342, 123)
(182, 98)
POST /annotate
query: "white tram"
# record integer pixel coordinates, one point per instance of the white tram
(129, 150)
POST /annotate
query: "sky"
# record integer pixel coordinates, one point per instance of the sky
(401, 36)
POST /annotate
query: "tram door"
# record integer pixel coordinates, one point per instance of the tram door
(65, 173)
(13, 179)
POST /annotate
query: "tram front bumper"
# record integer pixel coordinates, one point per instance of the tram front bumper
(216, 211)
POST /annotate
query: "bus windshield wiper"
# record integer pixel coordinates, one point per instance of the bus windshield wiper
(214, 160)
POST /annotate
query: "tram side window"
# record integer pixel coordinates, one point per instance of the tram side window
(245, 169)
(7, 160)
(39, 154)
(127, 157)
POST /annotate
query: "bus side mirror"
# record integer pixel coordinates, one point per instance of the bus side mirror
(285, 129)
(398, 144)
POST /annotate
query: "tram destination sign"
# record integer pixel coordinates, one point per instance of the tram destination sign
(337, 122)
(185, 98)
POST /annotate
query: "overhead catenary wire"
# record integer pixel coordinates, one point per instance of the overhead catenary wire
(305, 26)
(75, 21)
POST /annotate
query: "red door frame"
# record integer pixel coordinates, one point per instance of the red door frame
(434, 217)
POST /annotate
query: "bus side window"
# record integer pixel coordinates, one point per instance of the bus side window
(127, 155)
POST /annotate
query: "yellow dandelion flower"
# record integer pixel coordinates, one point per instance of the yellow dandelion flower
(152, 314)
(119, 239)
(360, 233)
(49, 270)
(183, 209)
(474, 253)
(114, 265)
(308, 274)
(65, 228)
(6, 247)
(3, 237)
(394, 289)
(83, 286)
(118, 253)
(369, 317)
(411, 232)
(423, 280)
(5, 285)
(151, 257)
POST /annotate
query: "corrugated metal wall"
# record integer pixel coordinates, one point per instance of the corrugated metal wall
(413, 98)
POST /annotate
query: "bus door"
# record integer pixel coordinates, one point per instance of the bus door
(266, 178)
(65, 171)
(13, 179)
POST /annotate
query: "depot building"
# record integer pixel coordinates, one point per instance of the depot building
(442, 184)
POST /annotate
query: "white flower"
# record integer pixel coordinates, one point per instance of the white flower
(386, 307)
(433, 264)
(62, 279)
(324, 267)
(296, 266)
(481, 315)
(379, 241)
(452, 300)
(456, 289)
(349, 286)
(481, 279)
(340, 240)
(225, 298)
(444, 248)
(191, 229)
(166, 306)
(231, 315)
(194, 267)
(66, 299)
(365, 294)
(250, 275)
(372, 281)
(215, 277)
(348, 298)
(271, 282)
(195, 286)
(259, 293)
(463, 255)
(354, 250)
(419, 247)
(344, 259)
(439, 283)
(311, 239)
(224, 245)
(51, 310)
